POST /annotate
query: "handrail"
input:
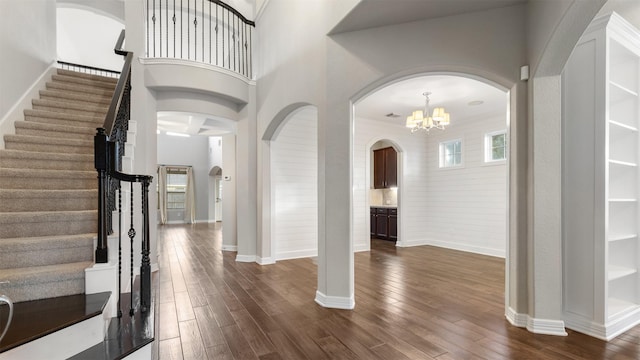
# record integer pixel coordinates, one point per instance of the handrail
(234, 11)
(110, 118)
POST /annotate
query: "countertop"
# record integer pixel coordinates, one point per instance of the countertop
(384, 206)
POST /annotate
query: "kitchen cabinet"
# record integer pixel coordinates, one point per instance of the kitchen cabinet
(601, 162)
(385, 168)
(384, 223)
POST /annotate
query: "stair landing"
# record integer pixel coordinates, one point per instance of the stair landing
(33, 320)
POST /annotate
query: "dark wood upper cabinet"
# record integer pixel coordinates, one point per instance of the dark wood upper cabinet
(385, 168)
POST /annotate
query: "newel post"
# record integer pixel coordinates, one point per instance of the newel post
(145, 266)
(101, 165)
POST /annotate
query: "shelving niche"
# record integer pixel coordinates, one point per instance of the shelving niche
(601, 154)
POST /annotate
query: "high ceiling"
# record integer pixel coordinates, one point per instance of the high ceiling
(465, 99)
(375, 13)
(454, 93)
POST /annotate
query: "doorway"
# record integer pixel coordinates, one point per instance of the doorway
(453, 184)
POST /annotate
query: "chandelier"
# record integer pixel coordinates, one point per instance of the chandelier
(420, 119)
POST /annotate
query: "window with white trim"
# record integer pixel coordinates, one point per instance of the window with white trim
(495, 146)
(451, 153)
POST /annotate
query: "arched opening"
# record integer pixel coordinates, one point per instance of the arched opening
(464, 207)
(292, 184)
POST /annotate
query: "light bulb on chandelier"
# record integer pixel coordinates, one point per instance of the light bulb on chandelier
(420, 119)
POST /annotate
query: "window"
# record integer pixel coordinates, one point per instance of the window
(176, 188)
(495, 145)
(451, 153)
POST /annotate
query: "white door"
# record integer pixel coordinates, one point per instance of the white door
(218, 195)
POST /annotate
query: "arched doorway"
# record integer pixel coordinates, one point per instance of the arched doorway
(293, 185)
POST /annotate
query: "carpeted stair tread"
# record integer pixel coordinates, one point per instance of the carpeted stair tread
(72, 96)
(63, 116)
(54, 85)
(15, 178)
(76, 80)
(71, 107)
(33, 128)
(22, 200)
(61, 249)
(108, 79)
(45, 223)
(39, 282)
(48, 144)
(20, 159)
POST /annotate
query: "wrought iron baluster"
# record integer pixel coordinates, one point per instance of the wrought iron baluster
(132, 234)
(119, 250)
(145, 264)
(153, 18)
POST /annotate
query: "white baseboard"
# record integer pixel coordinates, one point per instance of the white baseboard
(155, 267)
(546, 327)
(144, 353)
(229, 247)
(517, 319)
(297, 254)
(265, 260)
(453, 246)
(362, 247)
(246, 258)
(16, 112)
(606, 331)
(536, 326)
(335, 302)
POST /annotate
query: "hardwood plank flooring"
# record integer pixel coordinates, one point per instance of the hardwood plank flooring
(412, 303)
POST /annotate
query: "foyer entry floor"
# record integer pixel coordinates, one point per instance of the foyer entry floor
(412, 303)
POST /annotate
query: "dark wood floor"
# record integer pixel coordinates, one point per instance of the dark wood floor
(413, 303)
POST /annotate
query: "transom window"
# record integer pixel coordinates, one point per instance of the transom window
(451, 153)
(495, 146)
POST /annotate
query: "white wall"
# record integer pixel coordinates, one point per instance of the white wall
(294, 171)
(88, 38)
(175, 150)
(28, 43)
(462, 208)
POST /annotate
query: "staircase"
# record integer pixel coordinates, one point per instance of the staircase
(48, 189)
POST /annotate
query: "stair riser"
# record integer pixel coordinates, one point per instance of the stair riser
(20, 259)
(86, 124)
(17, 145)
(31, 229)
(85, 112)
(79, 89)
(17, 204)
(44, 290)
(19, 182)
(54, 134)
(66, 96)
(78, 81)
(14, 163)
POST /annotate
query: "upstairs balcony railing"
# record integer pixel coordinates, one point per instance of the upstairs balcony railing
(206, 31)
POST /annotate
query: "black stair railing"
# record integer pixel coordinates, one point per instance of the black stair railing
(109, 144)
(206, 31)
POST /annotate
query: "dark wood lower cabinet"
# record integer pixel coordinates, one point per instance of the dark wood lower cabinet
(384, 223)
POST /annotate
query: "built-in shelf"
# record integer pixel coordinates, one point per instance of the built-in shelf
(618, 272)
(622, 163)
(617, 306)
(629, 200)
(620, 237)
(622, 125)
(624, 90)
(601, 155)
